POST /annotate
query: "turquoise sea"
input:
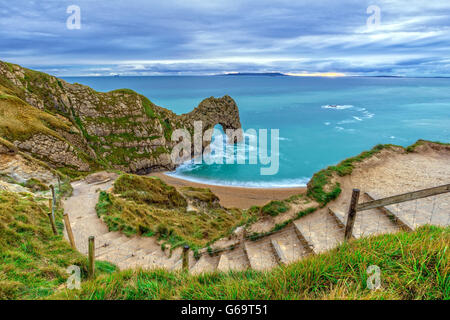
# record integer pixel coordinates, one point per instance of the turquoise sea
(368, 111)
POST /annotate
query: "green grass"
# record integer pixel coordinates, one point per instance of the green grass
(421, 142)
(413, 266)
(35, 185)
(321, 188)
(73, 173)
(148, 107)
(34, 261)
(148, 190)
(200, 195)
(124, 91)
(274, 208)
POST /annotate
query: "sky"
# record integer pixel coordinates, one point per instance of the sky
(198, 37)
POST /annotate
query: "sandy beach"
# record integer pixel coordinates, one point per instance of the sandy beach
(237, 197)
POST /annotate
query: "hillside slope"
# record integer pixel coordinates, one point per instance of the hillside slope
(413, 266)
(73, 126)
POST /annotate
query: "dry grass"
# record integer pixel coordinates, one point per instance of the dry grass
(148, 206)
(19, 121)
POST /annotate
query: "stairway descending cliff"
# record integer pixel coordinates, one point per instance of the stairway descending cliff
(115, 247)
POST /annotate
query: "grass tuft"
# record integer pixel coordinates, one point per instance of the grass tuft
(275, 207)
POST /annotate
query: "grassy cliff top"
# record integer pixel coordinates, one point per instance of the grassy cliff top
(413, 266)
(34, 261)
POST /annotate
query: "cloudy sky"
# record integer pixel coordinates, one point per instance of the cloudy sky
(137, 37)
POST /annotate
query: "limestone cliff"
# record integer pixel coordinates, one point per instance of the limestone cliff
(73, 126)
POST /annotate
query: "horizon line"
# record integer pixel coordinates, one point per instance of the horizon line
(261, 74)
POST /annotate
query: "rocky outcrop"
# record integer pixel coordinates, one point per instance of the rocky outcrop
(56, 151)
(21, 169)
(120, 129)
(213, 111)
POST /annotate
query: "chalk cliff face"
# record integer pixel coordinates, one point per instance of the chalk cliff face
(73, 126)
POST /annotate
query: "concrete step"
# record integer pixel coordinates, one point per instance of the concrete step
(112, 245)
(134, 244)
(279, 254)
(393, 215)
(155, 260)
(260, 254)
(367, 222)
(90, 225)
(110, 236)
(175, 260)
(106, 239)
(144, 252)
(133, 262)
(320, 232)
(206, 263)
(339, 217)
(287, 246)
(115, 255)
(235, 260)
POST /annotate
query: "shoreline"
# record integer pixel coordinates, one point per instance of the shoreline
(233, 196)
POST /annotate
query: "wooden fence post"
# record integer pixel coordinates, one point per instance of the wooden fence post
(91, 266)
(351, 214)
(186, 258)
(69, 230)
(59, 184)
(52, 188)
(52, 223)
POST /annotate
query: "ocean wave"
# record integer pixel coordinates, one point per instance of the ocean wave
(342, 129)
(368, 115)
(337, 107)
(347, 121)
(283, 183)
(221, 152)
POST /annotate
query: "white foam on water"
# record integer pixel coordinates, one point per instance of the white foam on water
(364, 114)
(283, 183)
(368, 115)
(346, 121)
(337, 107)
(342, 129)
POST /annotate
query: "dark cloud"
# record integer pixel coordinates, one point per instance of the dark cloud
(138, 37)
